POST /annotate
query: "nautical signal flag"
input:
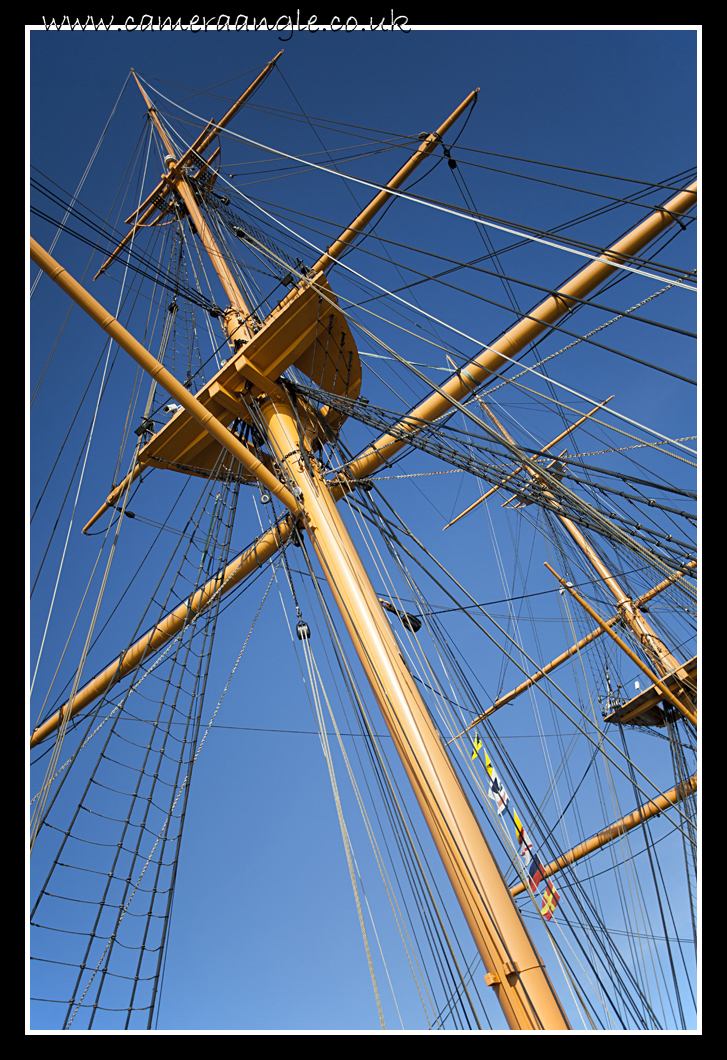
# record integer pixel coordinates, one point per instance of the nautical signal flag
(497, 792)
(535, 873)
(550, 900)
(530, 860)
(525, 847)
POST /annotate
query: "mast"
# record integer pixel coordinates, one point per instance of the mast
(630, 614)
(514, 968)
(487, 363)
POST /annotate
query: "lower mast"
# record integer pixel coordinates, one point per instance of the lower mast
(514, 968)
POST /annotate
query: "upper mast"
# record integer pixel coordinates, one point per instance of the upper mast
(514, 969)
(252, 381)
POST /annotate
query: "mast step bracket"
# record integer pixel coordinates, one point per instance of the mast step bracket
(509, 969)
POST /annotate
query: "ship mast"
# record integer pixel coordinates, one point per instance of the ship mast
(514, 969)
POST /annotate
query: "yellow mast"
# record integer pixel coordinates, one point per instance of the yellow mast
(631, 615)
(514, 968)
(629, 611)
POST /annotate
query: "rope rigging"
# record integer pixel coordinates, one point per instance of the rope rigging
(157, 746)
(594, 753)
(415, 866)
(109, 822)
(432, 439)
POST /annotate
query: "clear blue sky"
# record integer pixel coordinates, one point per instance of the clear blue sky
(265, 934)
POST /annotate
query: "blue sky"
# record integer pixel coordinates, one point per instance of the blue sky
(265, 934)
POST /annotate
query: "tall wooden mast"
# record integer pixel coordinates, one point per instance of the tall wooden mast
(514, 968)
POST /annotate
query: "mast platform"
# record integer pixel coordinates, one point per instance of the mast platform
(647, 708)
(310, 333)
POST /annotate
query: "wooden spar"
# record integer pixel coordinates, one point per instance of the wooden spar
(223, 122)
(425, 148)
(514, 968)
(174, 388)
(151, 203)
(525, 331)
(632, 820)
(543, 450)
(573, 650)
(167, 627)
(688, 714)
(368, 213)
